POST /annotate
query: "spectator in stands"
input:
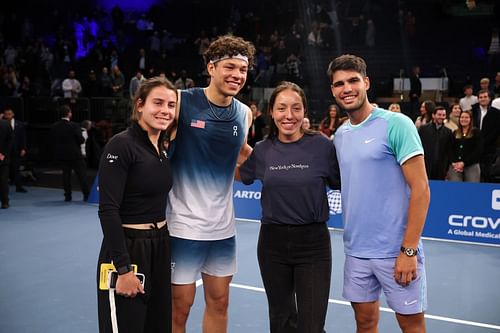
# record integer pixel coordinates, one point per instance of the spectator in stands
(6, 138)
(496, 103)
(19, 148)
(426, 110)
(331, 122)
(293, 66)
(135, 82)
(25, 89)
(162, 64)
(256, 131)
(306, 124)
(93, 145)
(66, 137)
(436, 140)
(469, 99)
(395, 107)
(118, 82)
(85, 126)
(314, 38)
(10, 55)
(415, 92)
(452, 121)
(114, 59)
(484, 84)
(155, 43)
(71, 87)
(184, 82)
(370, 33)
(496, 86)
(465, 152)
(202, 42)
(143, 62)
(10, 83)
(294, 249)
(91, 86)
(105, 83)
(487, 119)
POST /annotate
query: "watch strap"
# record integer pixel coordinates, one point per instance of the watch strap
(124, 269)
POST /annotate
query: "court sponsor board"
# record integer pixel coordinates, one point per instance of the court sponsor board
(467, 212)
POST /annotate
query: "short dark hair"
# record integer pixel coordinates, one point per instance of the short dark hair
(347, 62)
(438, 108)
(483, 91)
(64, 110)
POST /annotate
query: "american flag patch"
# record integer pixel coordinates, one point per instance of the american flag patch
(197, 123)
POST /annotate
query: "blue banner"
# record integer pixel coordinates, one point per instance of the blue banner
(467, 212)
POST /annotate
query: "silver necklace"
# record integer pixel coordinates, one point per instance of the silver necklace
(228, 112)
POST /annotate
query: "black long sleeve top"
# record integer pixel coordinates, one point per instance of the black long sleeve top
(134, 181)
(467, 150)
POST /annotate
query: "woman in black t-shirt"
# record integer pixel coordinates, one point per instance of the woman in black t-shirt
(294, 248)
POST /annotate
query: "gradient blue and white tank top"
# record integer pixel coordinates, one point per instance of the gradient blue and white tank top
(203, 156)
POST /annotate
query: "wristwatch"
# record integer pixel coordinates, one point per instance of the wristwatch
(124, 269)
(408, 251)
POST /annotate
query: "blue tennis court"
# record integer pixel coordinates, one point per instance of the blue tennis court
(48, 251)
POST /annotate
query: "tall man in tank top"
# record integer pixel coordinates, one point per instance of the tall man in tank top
(212, 127)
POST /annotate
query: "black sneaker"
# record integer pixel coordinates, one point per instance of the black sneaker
(5, 205)
(67, 199)
(21, 189)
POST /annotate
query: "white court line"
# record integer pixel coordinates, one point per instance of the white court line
(428, 316)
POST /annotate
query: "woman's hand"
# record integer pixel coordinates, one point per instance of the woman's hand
(128, 285)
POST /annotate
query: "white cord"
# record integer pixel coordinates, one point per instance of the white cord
(112, 305)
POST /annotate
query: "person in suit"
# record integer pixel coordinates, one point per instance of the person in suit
(18, 148)
(415, 91)
(5, 148)
(67, 138)
(487, 119)
(436, 140)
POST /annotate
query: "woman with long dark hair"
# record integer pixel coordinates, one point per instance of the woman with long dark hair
(426, 109)
(331, 122)
(134, 180)
(466, 150)
(294, 248)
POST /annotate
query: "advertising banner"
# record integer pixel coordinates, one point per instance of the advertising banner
(468, 212)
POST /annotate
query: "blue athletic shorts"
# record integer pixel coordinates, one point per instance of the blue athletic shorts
(364, 279)
(192, 257)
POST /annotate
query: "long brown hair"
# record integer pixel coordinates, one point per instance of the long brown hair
(285, 85)
(143, 92)
(459, 132)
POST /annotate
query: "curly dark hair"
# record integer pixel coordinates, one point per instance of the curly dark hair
(230, 45)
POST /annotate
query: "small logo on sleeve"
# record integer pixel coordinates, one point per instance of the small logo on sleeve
(111, 158)
(369, 140)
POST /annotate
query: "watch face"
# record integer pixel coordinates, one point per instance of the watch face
(410, 252)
